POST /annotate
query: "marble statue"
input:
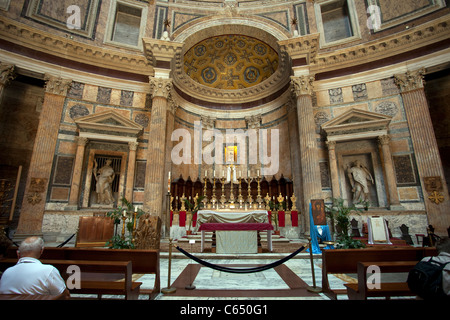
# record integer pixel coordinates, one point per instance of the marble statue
(359, 176)
(104, 177)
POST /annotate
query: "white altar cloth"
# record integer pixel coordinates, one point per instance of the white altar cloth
(234, 241)
(231, 216)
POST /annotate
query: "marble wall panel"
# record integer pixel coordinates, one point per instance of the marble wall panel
(67, 147)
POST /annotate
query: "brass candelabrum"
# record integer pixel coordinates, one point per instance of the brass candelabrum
(258, 197)
(213, 197)
(249, 192)
(223, 200)
(205, 198)
(240, 198)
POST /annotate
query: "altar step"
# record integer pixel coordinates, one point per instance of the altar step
(208, 238)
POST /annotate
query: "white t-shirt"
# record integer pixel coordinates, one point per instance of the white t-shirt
(30, 276)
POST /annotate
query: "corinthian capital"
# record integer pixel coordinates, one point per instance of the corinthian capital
(410, 80)
(160, 87)
(302, 85)
(57, 85)
(6, 73)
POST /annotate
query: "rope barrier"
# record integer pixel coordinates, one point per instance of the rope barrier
(241, 270)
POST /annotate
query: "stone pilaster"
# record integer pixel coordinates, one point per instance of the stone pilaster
(76, 176)
(426, 150)
(309, 161)
(389, 174)
(335, 188)
(33, 206)
(130, 170)
(155, 180)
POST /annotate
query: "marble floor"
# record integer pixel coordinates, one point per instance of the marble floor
(211, 279)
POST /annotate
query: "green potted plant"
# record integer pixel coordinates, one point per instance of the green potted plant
(193, 207)
(339, 215)
(274, 206)
(123, 213)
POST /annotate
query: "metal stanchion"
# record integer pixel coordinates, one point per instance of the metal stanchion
(169, 289)
(191, 285)
(313, 288)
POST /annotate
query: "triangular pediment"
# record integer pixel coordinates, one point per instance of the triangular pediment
(109, 123)
(356, 121)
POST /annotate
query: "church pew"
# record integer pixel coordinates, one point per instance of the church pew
(143, 261)
(338, 261)
(105, 281)
(361, 291)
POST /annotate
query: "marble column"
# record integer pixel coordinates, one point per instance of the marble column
(425, 146)
(33, 205)
(76, 176)
(155, 176)
(389, 173)
(335, 188)
(130, 170)
(309, 158)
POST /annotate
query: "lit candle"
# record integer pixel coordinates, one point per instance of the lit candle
(206, 173)
(258, 173)
(135, 208)
(214, 173)
(124, 213)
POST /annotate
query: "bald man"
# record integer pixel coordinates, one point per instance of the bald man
(30, 276)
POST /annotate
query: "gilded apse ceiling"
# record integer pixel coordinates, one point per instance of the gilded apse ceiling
(230, 62)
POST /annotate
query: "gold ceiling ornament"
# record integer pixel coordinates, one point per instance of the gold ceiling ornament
(230, 62)
(436, 197)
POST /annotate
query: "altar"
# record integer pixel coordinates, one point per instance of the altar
(232, 216)
(235, 231)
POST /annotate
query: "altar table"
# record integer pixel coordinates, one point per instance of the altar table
(232, 216)
(241, 233)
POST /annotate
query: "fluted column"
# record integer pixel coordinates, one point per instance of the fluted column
(336, 190)
(309, 162)
(76, 176)
(394, 202)
(33, 205)
(155, 174)
(130, 171)
(426, 150)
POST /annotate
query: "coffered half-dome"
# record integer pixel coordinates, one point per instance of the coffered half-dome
(230, 62)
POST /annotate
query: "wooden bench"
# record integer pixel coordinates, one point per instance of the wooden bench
(361, 291)
(111, 277)
(143, 261)
(345, 261)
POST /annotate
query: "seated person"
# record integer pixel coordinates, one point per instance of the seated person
(30, 276)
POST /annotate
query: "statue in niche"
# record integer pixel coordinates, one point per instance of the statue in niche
(104, 177)
(359, 177)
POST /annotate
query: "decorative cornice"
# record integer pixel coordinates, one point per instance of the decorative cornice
(160, 50)
(408, 40)
(52, 44)
(301, 47)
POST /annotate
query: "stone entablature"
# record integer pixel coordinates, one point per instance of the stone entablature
(52, 44)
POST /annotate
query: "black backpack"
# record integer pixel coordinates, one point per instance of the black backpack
(425, 280)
